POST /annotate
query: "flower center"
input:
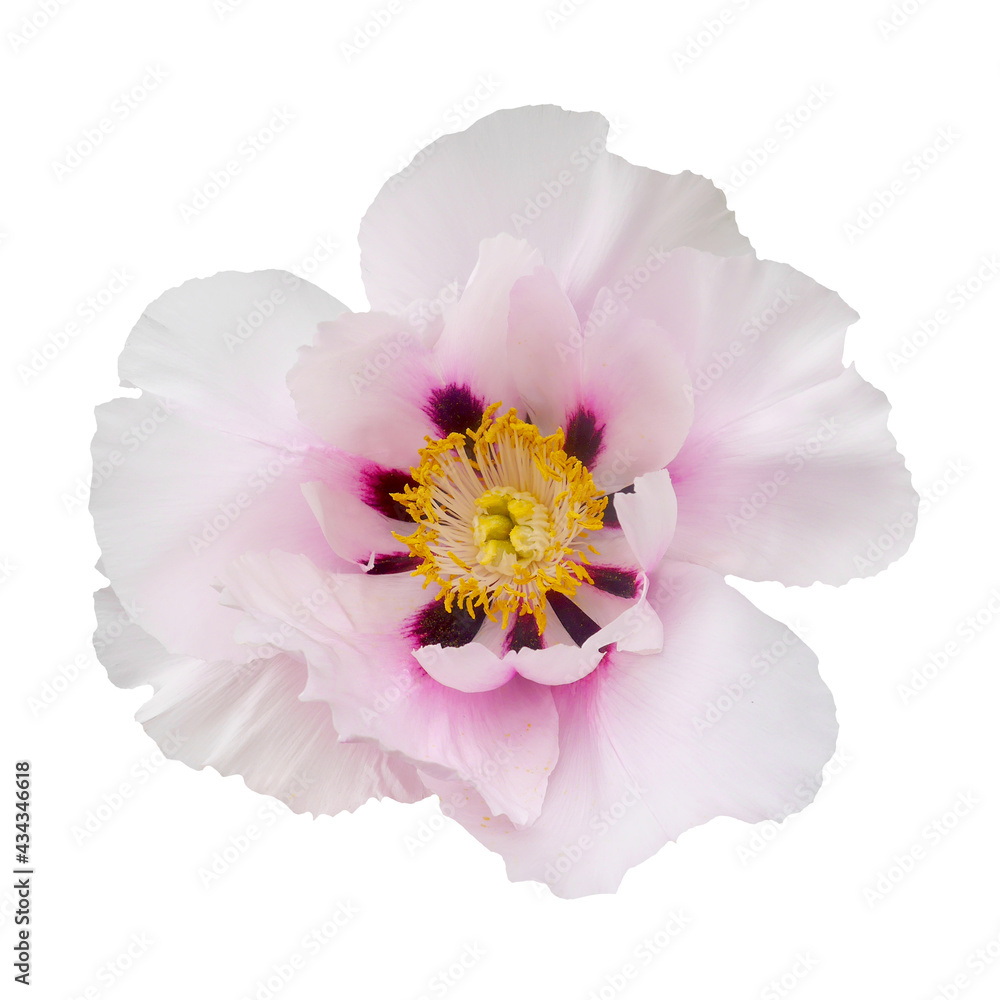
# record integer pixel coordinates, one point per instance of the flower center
(503, 516)
(512, 530)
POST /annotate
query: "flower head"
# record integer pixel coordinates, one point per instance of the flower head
(472, 543)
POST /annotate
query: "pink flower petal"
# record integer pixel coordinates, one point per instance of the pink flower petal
(789, 472)
(731, 719)
(218, 349)
(472, 347)
(541, 174)
(176, 501)
(814, 490)
(617, 380)
(362, 387)
(247, 719)
(353, 632)
(353, 529)
(648, 517)
(543, 348)
(469, 668)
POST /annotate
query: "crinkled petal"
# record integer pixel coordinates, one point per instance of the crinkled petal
(789, 472)
(628, 624)
(353, 631)
(363, 387)
(635, 628)
(247, 719)
(752, 332)
(615, 385)
(469, 668)
(648, 517)
(731, 719)
(542, 174)
(219, 349)
(176, 501)
(809, 489)
(472, 348)
(351, 527)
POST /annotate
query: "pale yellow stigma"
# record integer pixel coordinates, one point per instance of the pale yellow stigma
(512, 531)
(502, 514)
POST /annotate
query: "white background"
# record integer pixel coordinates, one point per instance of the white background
(818, 907)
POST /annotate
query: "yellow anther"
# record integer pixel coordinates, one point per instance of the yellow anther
(458, 562)
(501, 515)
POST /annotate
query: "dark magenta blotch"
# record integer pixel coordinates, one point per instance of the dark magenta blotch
(523, 634)
(391, 562)
(377, 486)
(578, 624)
(434, 625)
(615, 580)
(584, 438)
(454, 409)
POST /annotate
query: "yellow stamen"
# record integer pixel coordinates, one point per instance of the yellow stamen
(501, 513)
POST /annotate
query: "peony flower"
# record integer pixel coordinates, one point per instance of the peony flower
(473, 543)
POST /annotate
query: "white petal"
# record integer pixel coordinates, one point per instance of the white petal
(355, 633)
(789, 472)
(752, 332)
(220, 347)
(353, 529)
(247, 719)
(362, 387)
(648, 517)
(178, 503)
(209, 460)
(731, 719)
(542, 174)
(809, 489)
(470, 668)
(472, 348)
(614, 384)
